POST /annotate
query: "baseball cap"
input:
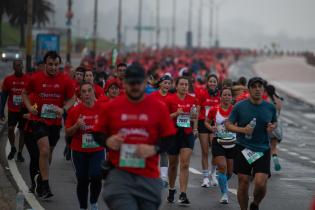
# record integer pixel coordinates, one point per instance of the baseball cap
(254, 80)
(165, 77)
(134, 74)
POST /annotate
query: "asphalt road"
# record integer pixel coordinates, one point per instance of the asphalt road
(290, 189)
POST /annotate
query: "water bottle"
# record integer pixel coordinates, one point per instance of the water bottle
(252, 124)
(20, 201)
(193, 111)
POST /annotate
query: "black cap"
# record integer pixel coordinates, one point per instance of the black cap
(256, 79)
(165, 77)
(134, 73)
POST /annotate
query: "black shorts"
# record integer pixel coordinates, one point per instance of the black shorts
(182, 141)
(218, 150)
(41, 130)
(16, 118)
(262, 165)
(202, 128)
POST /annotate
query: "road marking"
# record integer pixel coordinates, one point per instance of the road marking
(304, 158)
(313, 161)
(32, 201)
(283, 149)
(299, 179)
(194, 171)
(293, 153)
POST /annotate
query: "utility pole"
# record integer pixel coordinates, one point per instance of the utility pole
(94, 29)
(158, 29)
(139, 26)
(29, 35)
(200, 23)
(69, 15)
(189, 32)
(119, 24)
(211, 24)
(173, 24)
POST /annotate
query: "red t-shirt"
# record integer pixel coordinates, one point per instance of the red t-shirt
(140, 123)
(98, 91)
(242, 96)
(173, 103)
(205, 100)
(14, 85)
(90, 116)
(158, 96)
(49, 91)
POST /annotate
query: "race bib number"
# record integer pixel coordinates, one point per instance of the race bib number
(251, 156)
(17, 100)
(128, 157)
(207, 108)
(48, 111)
(88, 141)
(183, 121)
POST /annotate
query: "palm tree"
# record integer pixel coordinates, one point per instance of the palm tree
(41, 10)
(5, 7)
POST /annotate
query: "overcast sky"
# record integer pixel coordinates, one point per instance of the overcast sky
(242, 23)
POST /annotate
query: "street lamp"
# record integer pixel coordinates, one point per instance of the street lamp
(189, 32)
(173, 24)
(139, 26)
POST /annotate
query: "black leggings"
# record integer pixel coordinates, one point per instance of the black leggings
(33, 151)
(83, 184)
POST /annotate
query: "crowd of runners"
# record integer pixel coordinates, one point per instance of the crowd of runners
(134, 125)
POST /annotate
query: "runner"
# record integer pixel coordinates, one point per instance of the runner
(53, 96)
(111, 89)
(164, 85)
(209, 98)
(252, 119)
(87, 155)
(11, 91)
(223, 145)
(88, 77)
(276, 135)
(135, 133)
(181, 106)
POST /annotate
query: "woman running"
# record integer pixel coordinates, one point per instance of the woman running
(276, 135)
(224, 142)
(208, 99)
(87, 155)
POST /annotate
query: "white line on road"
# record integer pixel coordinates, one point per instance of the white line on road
(299, 179)
(195, 171)
(293, 153)
(313, 161)
(304, 158)
(283, 149)
(32, 201)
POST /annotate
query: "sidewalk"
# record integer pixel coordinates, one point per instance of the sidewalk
(291, 75)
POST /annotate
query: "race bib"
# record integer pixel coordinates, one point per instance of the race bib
(17, 100)
(48, 111)
(183, 121)
(128, 157)
(88, 141)
(251, 156)
(207, 108)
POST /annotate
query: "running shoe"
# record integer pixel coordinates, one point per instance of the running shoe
(20, 157)
(253, 206)
(183, 200)
(214, 180)
(94, 206)
(171, 194)
(12, 153)
(32, 189)
(224, 199)
(205, 182)
(38, 185)
(276, 163)
(46, 194)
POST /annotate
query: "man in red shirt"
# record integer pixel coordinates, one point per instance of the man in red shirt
(11, 91)
(135, 133)
(52, 93)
